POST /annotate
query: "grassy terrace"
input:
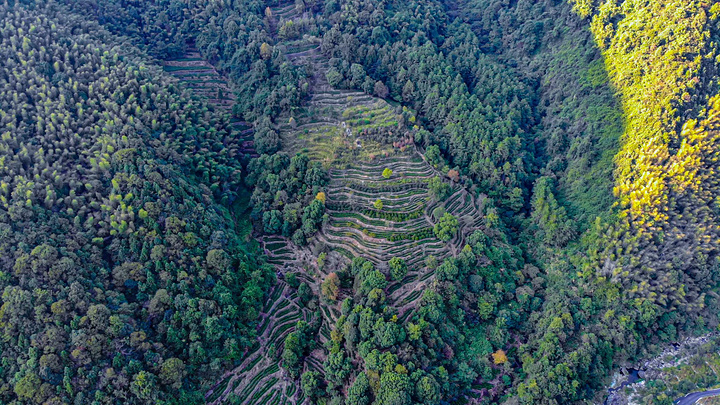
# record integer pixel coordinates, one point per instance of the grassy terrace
(250, 387)
(276, 293)
(369, 191)
(219, 389)
(405, 316)
(300, 47)
(320, 132)
(361, 223)
(252, 364)
(260, 393)
(403, 226)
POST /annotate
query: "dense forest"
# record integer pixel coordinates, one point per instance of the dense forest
(124, 272)
(438, 202)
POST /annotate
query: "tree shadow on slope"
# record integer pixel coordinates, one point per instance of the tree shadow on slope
(579, 117)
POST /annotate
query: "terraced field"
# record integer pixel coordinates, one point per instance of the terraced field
(333, 127)
(339, 141)
(259, 379)
(403, 227)
(282, 13)
(289, 258)
(337, 128)
(203, 80)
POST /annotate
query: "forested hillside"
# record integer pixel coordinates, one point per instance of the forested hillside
(650, 271)
(124, 278)
(352, 201)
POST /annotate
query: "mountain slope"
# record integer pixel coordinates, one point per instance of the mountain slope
(124, 278)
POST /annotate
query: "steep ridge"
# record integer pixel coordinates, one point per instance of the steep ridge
(348, 131)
